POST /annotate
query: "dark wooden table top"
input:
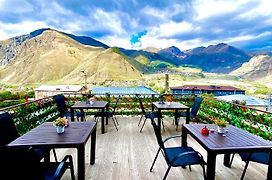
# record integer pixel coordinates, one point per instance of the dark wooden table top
(172, 105)
(77, 133)
(85, 105)
(235, 139)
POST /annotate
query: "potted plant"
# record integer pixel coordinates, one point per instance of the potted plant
(60, 124)
(221, 125)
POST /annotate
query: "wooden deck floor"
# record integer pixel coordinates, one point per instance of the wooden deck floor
(127, 155)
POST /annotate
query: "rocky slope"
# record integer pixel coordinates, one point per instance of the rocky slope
(257, 68)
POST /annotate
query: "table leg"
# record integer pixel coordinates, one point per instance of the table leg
(269, 171)
(82, 112)
(102, 122)
(93, 144)
(107, 119)
(211, 160)
(81, 162)
(47, 157)
(184, 137)
(187, 116)
(227, 160)
(159, 119)
(72, 114)
(176, 117)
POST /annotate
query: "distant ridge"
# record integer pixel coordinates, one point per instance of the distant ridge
(220, 58)
(81, 39)
(87, 40)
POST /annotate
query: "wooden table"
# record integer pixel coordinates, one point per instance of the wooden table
(235, 141)
(103, 105)
(172, 106)
(75, 136)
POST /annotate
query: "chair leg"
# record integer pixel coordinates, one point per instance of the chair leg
(177, 122)
(166, 173)
(143, 125)
(115, 120)
(190, 168)
(72, 168)
(244, 172)
(231, 160)
(204, 172)
(163, 125)
(55, 155)
(155, 160)
(114, 123)
(140, 120)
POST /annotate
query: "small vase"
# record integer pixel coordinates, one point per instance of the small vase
(220, 130)
(60, 129)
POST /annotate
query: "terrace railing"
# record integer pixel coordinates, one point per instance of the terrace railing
(253, 120)
(31, 114)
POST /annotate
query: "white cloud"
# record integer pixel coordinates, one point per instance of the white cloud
(247, 37)
(172, 28)
(263, 9)
(116, 41)
(151, 11)
(107, 21)
(209, 8)
(15, 6)
(164, 14)
(9, 30)
(151, 41)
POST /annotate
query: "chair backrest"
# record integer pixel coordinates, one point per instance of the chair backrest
(19, 163)
(141, 104)
(8, 131)
(115, 105)
(196, 106)
(60, 101)
(157, 133)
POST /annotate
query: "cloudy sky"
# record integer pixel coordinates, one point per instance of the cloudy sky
(246, 24)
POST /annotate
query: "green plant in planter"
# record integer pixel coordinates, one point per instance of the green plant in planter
(221, 122)
(60, 122)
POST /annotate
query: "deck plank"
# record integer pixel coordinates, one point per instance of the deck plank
(128, 154)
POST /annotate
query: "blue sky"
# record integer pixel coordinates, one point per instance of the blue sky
(137, 24)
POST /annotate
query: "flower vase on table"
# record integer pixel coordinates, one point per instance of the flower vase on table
(60, 129)
(221, 125)
(60, 124)
(220, 129)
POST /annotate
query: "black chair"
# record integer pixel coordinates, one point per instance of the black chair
(22, 163)
(193, 111)
(176, 156)
(63, 108)
(8, 133)
(109, 114)
(259, 157)
(147, 115)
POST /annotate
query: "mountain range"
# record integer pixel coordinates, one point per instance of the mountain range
(48, 55)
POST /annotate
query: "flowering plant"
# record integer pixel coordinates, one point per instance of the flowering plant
(221, 122)
(60, 122)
